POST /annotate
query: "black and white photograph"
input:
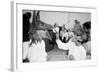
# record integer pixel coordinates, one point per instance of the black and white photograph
(52, 36)
(49, 36)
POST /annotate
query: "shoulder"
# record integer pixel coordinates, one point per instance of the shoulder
(42, 42)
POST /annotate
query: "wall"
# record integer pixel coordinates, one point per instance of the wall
(67, 18)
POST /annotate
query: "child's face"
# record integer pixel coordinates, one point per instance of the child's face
(75, 40)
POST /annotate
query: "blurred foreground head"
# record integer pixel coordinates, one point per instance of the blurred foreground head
(77, 30)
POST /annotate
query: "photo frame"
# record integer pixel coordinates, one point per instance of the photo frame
(16, 26)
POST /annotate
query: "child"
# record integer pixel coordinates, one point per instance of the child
(34, 49)
(76, 52)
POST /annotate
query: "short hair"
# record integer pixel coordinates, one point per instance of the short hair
(87, 25)
(28, 14)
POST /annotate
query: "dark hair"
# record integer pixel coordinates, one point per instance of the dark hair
(87, 25)
(86, 28)
(26, 26)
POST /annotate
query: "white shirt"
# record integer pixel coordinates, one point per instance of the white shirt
(78, 52)
(35, 52)
(56, 30)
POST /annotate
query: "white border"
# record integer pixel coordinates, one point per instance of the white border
(17, 58)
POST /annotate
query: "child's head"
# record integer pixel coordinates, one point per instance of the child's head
(77, 29)
(35, 38)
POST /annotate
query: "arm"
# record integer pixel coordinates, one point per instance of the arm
(64, 46)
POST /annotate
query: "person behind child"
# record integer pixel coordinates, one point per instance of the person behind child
(87, 40)
(56, 28)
